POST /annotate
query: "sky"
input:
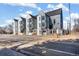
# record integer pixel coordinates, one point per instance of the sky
(9, 11)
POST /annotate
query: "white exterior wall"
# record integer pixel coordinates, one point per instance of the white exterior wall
(14, 32)
(15, 27)
(27, 27)
(40, 21)
(27, 24)
(19, 29)
(39, 25)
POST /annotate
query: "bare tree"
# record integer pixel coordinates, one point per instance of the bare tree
(76, 25)
(9, 29)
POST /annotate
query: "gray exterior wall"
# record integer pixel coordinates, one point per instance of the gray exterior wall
(32, 25)
(23, 27)
(28, 24)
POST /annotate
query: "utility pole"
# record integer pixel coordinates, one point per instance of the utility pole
(70, 17)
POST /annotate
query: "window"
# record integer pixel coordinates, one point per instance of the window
(30, 20)
(30, 26)
(42, 17)
(43, 24)
(39, 18)
(54, 21)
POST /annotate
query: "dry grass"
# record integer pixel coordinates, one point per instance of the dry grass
(31, 40)
(61, 37)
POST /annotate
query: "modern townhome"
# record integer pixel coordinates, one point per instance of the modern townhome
(50, 22)
(44, 23)
(28, 24)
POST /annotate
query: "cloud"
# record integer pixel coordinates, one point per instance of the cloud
(31, 5)
(50, 6)
(67, 19)
(47, 10)
(27, 1)
(23, 4)
(29, 12)
(6, 22)
(18, 18)
(24, 14)
(39, 1)
(20, 10)
(39, 9)
(61, 6)
(2, 25)
(74, 15)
